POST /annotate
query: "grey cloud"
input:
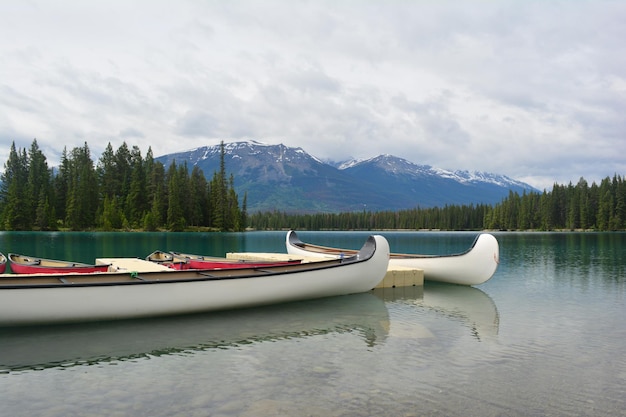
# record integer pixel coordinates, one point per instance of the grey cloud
(538, 86)
(16, 100)
(130, 133)
(197, 123)
(313, 80)
(434, 117)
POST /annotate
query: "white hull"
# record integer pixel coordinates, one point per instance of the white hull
(472, 267)
(30, 302)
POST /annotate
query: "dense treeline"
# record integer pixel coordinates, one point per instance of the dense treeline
(122, 191)
(448, 218)
(572, 207)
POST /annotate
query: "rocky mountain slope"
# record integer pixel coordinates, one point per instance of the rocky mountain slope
(278, 177)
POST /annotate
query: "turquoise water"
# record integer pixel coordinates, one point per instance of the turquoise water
(545, 336)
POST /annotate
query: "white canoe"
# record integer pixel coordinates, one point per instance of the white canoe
(472, 267)
(108, 296)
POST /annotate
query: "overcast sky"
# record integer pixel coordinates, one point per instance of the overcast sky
(532, 89)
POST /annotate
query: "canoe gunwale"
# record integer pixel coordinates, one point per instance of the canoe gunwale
(295, 241)
(105, 279)
(31, 265)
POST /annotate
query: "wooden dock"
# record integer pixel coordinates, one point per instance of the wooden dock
(396, 276)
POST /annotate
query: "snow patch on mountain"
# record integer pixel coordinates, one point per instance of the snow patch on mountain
(400, 166)
(267, 174)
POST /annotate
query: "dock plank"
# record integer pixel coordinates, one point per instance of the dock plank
(131, 265)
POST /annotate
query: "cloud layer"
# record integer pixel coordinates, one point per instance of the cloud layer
(535, 90)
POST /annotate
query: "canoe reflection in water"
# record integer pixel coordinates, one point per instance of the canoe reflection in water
(365, 314)
(43, 347)
(470, 306)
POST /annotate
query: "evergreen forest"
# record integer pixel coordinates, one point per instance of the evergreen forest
(122, 191)
(125, 191)
(572, 207)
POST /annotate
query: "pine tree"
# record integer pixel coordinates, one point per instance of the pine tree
(219, 195)
(175, 210)
(61, 184)
(107, 174)
(123, 169)
(82, 201)
(38, 189)
(158, 206)
(198, 198)
(244, 212)
(13, 193)
(136, 203)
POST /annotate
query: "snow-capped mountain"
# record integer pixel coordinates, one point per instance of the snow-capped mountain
(278, 177)
(399, 166)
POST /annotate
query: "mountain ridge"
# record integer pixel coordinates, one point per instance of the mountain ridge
(283, 178)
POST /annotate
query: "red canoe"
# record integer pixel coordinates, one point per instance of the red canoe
(168, 259)
(3, 263)
(21, 264)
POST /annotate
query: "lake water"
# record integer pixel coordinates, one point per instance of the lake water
(545, 336)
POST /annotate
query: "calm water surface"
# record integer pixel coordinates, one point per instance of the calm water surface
(545, 336)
